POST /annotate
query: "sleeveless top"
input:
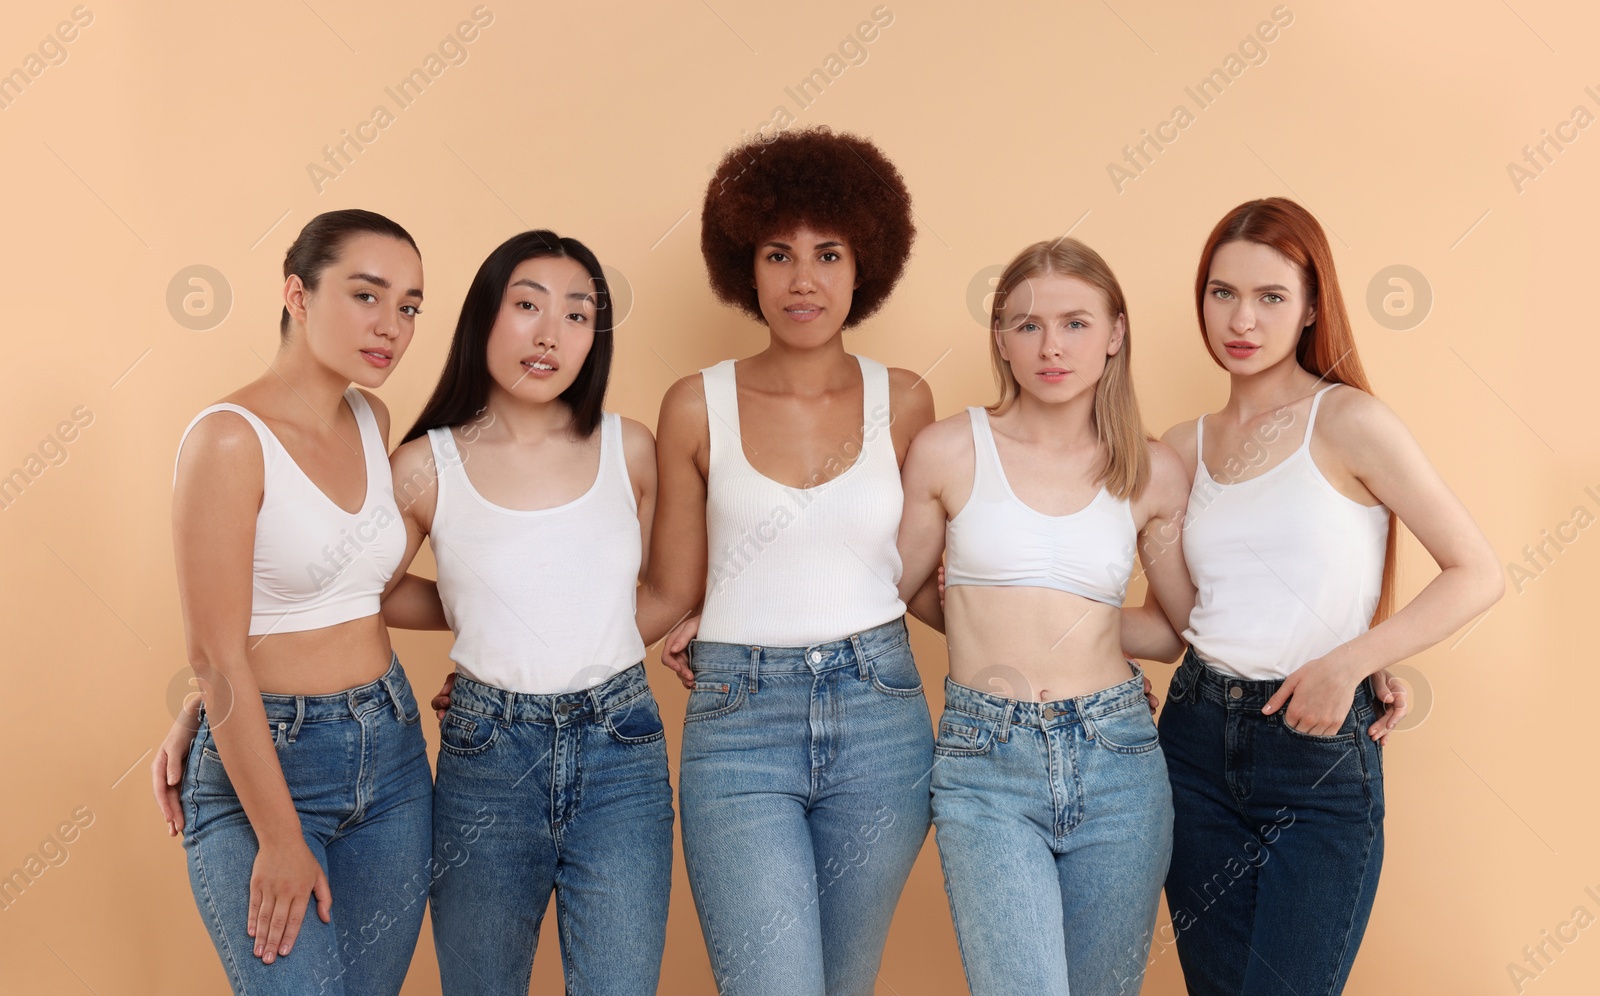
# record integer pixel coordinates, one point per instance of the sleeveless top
(997, 540)
(1286, 568)
(315, 564)
(540, 601)
(791, 567)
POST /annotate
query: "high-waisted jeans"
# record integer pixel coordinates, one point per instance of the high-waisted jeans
(1278, 838)
(357, 769)
(538, 792)
(1054, 825)
(805, 798)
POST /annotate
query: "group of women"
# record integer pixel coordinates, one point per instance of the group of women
(794, 506)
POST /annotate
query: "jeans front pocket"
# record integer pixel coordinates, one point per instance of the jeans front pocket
(894, 672)
(717, 694)
(464, 734)
(1128, 730)
(636, 721)
(963, 735)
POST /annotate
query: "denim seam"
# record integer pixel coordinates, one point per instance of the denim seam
(1366, 860)
(226, 942)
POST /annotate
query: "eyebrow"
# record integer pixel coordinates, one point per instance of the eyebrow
(381, 282)
(1075, 312)
(820, 245)
(1264, 287)
(541, 288)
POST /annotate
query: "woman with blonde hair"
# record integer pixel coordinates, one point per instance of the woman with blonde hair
(1050, 796)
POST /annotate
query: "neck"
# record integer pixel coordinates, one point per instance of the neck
(806, 370)
(1250, 395)
(1067, 423)
(526, 422)
(304, 383)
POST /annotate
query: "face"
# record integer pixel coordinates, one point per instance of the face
(805, 280)
(361, 317)
(544, 329)
(1255, 307)
(1057, 332)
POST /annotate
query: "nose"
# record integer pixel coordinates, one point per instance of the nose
(803, 279)
(1243, 318)
(1052, 342)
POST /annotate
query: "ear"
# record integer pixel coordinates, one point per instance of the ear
(296, 297)
(999, 342)
(1311, 315)
(1119, 334)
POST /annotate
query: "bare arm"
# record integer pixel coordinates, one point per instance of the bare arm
(215, 501)
(1151, 631)
(409, 601)
(675, 568)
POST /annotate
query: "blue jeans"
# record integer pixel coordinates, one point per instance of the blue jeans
(1054, 825)
(568, 792)
(357, 769)
(804, 789)
(1278, 838)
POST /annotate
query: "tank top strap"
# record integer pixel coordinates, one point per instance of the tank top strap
(1311, 420)
(986, 470)
(614, 457)
(373, 447)
(270, 450)
(446, 466)
(722, 410)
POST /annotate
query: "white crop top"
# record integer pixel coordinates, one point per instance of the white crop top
(315, 564)
(997, 540)
(1285, 567)
(791, 567)
(540, 601)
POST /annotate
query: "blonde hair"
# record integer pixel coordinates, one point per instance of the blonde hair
(1125, 454)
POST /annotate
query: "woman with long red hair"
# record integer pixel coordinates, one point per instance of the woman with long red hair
(1290, 539)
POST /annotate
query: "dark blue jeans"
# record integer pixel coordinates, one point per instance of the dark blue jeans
(1277, 838)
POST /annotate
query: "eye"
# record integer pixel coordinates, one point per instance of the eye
(577, 316)
(831, 256)
(367, 296)
(1028, 327)
(410, 309)
(777, 257)
(1077, 323)
(527, 306)
(1273, 298)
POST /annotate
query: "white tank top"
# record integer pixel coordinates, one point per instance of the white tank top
(790, 567)
(1286, 567)
(997, 540)
(540, 601)
(315, 564)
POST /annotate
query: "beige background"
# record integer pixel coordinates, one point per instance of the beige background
(181, 135)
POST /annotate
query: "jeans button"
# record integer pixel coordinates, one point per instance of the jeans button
(816, 656)
(1235, 692)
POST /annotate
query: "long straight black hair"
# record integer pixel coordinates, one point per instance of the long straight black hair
(463, 388)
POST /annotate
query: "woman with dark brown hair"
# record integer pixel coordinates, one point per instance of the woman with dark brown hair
(807, 740)
(1271, 731)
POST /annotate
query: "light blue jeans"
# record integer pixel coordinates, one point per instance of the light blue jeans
(1054, 826)
(538, 792)
(357, 769)
(804, 791)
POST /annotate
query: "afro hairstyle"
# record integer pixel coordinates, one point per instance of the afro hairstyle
(833, 182)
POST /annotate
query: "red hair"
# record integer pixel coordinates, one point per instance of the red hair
(1327, 346)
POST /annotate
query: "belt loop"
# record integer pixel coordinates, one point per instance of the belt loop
(1004, 732)
(394, 695)
(861, 656)
(755, 668)
(299, 716)
(506, 708)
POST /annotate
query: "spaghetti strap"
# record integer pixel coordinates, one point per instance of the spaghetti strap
(1311, 420)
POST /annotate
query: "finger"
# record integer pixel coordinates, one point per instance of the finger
(280, 920)
(1282, 695)
(324, 898)
(174, 808)
(159, 785)
(291, 929)
(255, 911)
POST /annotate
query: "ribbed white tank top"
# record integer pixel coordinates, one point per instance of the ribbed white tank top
(791, 567)
(1286, 568)
(540, 601)
(316, 565)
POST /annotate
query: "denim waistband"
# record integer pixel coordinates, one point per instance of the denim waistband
(853, 651)
(555, 708)
(1058, 712)
(1196, 678)
(390, 691)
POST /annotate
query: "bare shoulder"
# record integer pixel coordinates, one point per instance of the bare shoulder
(908, 386)
(1181, 440)
(949, 437)
(685, 400)
(638, 445)
(1169, 475)
(380, 411)
(411, 458)
(1354, 415)
(223, 442)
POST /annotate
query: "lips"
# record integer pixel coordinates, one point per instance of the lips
(540, 366)
(1053, 375)
(803, 312)
(378, 357)
(1241, 348)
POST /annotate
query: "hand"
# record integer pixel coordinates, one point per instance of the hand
(941, 587)
(282, 882)
(1318, 697)
(1150, 696)
(441, 702)
(674, 650)
(1396, 703)
(166, 771)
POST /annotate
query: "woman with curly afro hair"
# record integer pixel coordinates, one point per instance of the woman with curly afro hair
(807, 739)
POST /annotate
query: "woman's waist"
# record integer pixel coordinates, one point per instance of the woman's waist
(325, 661)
